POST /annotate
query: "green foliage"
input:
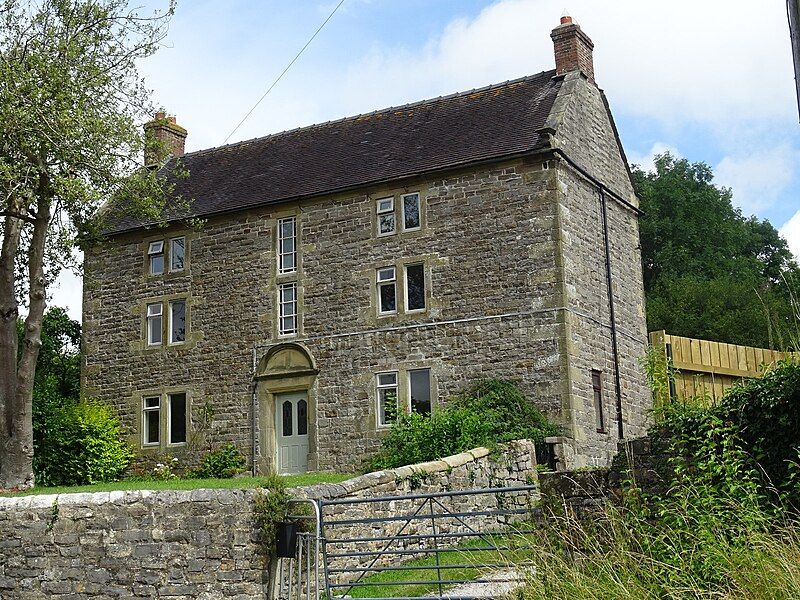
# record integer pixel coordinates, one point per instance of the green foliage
(766, 414)
(223, 463)
(82, 444)
(660, 371)
(270, 508)
(720, 531)
(710, 272)
(491, 412)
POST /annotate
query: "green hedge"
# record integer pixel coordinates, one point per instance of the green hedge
(491, 412)
(77, 443)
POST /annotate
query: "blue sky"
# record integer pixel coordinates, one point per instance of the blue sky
(710, 80)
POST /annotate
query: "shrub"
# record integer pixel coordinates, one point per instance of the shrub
(751, 437)
(222, 463)
(491, 412)
(78, 443)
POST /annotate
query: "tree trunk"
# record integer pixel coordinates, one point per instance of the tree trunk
(8, 344)
(19, 462)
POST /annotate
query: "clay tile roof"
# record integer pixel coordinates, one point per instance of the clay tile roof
(390, 144)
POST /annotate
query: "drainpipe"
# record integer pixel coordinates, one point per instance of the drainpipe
(614, 347)
(254, 400)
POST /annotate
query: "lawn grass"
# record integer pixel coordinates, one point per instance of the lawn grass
(302, 479)
(463, 554)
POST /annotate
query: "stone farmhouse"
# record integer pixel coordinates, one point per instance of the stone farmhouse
(382, 262)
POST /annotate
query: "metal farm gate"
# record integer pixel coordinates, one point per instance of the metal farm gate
(459, 545)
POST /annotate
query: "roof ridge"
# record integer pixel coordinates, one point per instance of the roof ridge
(371, 113)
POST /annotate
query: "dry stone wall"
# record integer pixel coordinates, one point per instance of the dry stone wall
(201, 543)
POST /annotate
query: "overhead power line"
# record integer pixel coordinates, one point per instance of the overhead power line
(289, 66)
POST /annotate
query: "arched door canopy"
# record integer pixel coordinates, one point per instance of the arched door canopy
(286, 360)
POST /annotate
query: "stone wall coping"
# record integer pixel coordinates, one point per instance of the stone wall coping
(230, 495)
(32, 502)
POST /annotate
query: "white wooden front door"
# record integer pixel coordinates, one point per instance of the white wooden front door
(291, 428)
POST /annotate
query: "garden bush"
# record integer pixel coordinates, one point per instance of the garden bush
(77, 442)
(751, 435)
(222, 463)
(491, 412)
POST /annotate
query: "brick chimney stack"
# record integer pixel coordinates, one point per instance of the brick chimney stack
(163, 138)
(573, 49)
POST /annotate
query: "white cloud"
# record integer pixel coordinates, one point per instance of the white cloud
(791, 231)
(757, 178)
(67, 292)
(647, 161)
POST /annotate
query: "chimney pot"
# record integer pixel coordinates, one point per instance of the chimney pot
(573, 49)
(163, 138)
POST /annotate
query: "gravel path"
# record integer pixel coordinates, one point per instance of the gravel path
(492, 585)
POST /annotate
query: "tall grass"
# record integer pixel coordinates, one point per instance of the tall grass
(736, 553)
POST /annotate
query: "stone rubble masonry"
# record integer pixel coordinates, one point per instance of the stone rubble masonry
(199, 543)
(585, 493)
(516, 289)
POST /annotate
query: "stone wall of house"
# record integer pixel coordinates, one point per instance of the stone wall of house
(488, 243)
(585, 131)
(203, 543)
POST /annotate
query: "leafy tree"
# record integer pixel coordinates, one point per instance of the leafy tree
(709, 272)
(70, 101)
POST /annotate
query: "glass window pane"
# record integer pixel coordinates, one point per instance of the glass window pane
(387, 400)
(287, 263)
(176, 254)
(386, 223)
(386, 274)
(152, 420)
(387, 379)
(411, 212)
(420, 384)
(177, 418)
(302, 418)
(178, 322)
(156, 247)
(154, 330)
(386, 205)
(151, 402)
(415, 287)
(157, 264)
(388, 297)
(153, 309)
(287, 228)
(287, 418)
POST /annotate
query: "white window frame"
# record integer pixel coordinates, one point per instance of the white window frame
(185, 322)
(156, 249)
(403, 211)
(281, 315)
(145, 410)
(151, 317)
(280, 239)
(185, 418)
(424, 288)
(408, 387)
(383, 386)
(380, 283)
(172, 241)
(385, 211)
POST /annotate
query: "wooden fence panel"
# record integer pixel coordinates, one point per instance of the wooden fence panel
(707, 369)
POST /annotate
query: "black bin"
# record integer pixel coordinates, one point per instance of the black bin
(286, 540)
